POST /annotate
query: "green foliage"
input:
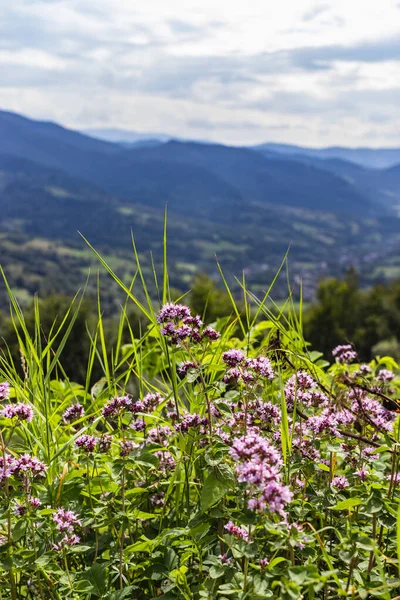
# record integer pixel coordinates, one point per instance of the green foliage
(368, 318)
(208, 300)
(275, 480)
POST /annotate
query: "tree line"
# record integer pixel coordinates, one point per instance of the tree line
(342, 312)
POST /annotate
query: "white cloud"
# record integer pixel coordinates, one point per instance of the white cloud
(240, 72)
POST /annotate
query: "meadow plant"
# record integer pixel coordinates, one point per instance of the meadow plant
(211, 462)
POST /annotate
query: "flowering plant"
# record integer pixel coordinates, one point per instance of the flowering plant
(212, 462)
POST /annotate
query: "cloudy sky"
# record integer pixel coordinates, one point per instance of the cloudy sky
(237, 71)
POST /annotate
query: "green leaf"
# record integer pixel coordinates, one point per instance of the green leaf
(19, 531)
(323, 467)
(276, 561)
(214, 489)
(97, 577)
(140, 514)
(192, 375)
(121, 593)
(347, 504)
(79, 548)
(44, 560)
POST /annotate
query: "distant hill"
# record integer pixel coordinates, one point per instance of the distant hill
(254, 178)
(124, 136)
(193, 178)
(374, 158)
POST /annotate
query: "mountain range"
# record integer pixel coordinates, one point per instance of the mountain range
(378, 158)
(247, 205)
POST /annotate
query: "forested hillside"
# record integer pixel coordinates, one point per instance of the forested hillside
(244, 206)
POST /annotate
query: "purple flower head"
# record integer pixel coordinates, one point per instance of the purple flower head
(196, 337)
(34, 503)
(6, 461)
(159, 434)
(168, 329)
(190, 422)
(344, 353)
(73, 413)
(369, 452)
(127, 447)
(224, 559)
(23, 412)
(173, 312)
(149, 403)
(273, 497)
(247, 377)
(104, 443)
(262, 366)
(4, 390)
(179, 325)
(239, 532)
(167, 461)
(363, 406)
(27, 466)
(264, 563)
(362, 474)
(185, 366)
(182, 332)
(193, 321)
(253, 446)
(266, 412)
(340, 482)
(86, 442)
(233, 357)
(328, 421)
(67, 541)
(20, 510)
(66, 520)
(116, 405)
(210, 333)
(158, 499)
(385, 375)
(259, 464)
(138, 425)
(152, 400)
(302, 388)
(232, 375)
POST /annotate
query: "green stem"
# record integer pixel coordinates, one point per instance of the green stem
(67, 570)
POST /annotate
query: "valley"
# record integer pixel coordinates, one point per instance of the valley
(242, 206)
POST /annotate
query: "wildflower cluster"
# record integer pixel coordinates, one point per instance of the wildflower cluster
(73, 413)
(302, 389)
(33, 504)
(4, 390)
(26, 467)
(180, 326)
(239, 532)
(269, 477)
(66, 522)
(246, 370)
(90, 443)
(259, 465)
(116, 405)
(22, 412)
(344, 353)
